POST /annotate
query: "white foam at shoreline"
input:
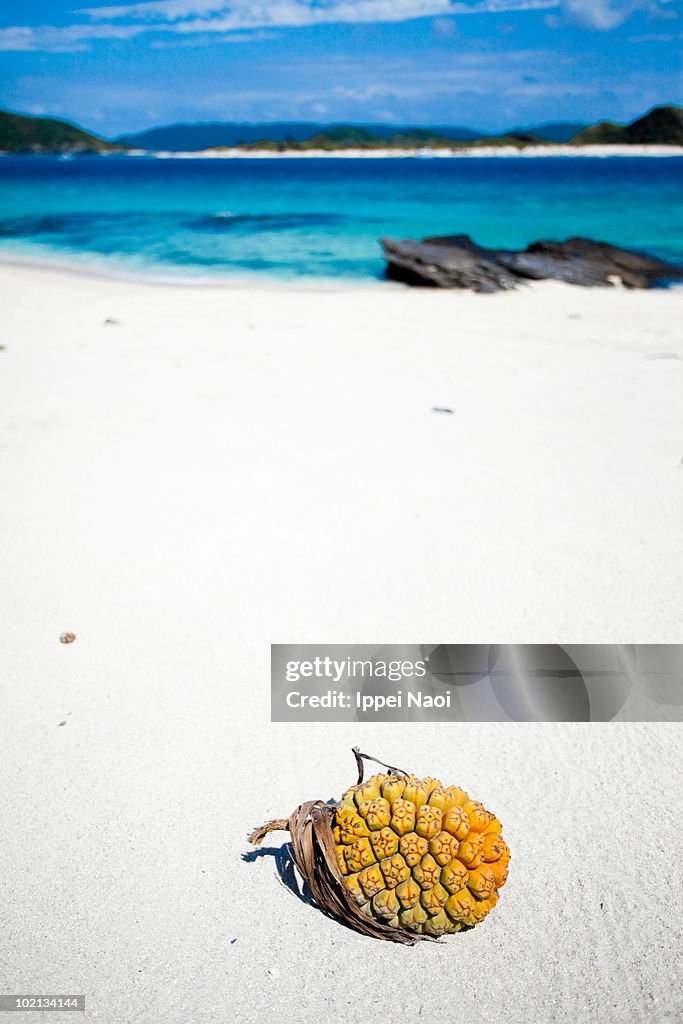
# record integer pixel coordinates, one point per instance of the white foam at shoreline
(423, 154)
(237, 153)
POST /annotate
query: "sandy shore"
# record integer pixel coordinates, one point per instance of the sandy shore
(278, 444)
(190, 474)
(238, 153)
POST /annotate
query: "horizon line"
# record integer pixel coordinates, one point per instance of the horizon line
(340, 123)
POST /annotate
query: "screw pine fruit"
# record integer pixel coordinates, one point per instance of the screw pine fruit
(399, 858)
(418, 855)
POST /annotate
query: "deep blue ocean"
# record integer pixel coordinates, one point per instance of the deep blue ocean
(320, 218)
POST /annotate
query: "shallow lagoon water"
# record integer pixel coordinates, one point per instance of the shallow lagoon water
(199, 219)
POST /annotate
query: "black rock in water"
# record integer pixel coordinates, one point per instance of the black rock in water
(455, 261)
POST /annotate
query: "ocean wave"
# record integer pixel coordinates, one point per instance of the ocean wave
(228, 221)
(67, 223)
(101, 222)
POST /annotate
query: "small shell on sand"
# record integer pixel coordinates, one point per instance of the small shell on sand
(67, 638)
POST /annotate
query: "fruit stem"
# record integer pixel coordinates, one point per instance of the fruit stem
(367, 757)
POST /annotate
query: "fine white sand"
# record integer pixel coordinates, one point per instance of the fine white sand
(236, 152)
(222, 468)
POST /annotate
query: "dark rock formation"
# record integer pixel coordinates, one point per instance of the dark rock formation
(455, 261)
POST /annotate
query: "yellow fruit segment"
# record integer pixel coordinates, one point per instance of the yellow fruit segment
(493, 847)
(433, 900)
(481, 882)
(478, 816)
(413, 848)
(427, 872)
(499, 870)
(428, 821)
(413, 919)
(369, 790)
(355, 889)
(371, 880)
(351, 827)
(403, 816)
(459, 905)
(384, 843)
(443, 848)
(433, 784)
(470, 850)
(480, 910)
(358, 855)
(416, 791)
(392, 788)
(395, 870)
(385, 904)
(454, 876)
(408, 894)
(438, 925)
(456, 822)
(378, 814)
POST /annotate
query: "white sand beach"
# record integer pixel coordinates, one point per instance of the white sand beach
(241, 153)
(258, 448)
(192, 473)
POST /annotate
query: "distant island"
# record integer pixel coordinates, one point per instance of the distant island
(193, 137)
(662, 126)
(354, 138)
(19, 134)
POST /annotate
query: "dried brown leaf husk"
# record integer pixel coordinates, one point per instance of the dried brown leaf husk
(315, 854)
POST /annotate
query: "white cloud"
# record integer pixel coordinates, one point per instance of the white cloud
(192, 41)
(63, 39)
(599, 14)
(161, 10)
(219, 18)
(202, 15)
(604, 15)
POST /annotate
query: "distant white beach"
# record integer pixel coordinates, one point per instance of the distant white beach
(238, 153)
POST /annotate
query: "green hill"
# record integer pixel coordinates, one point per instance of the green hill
(662, 126)
(19, 134)
(606, 133)
(352, 137)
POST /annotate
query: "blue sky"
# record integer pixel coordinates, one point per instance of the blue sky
(485, 63)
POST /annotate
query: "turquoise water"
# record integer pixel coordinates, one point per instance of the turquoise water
(321, 218)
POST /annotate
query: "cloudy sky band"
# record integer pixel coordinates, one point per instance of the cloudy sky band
(216, 17)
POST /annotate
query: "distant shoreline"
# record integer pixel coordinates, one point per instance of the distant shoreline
(658, 133)
(474, 152)
(147, 277)
(120, 274)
